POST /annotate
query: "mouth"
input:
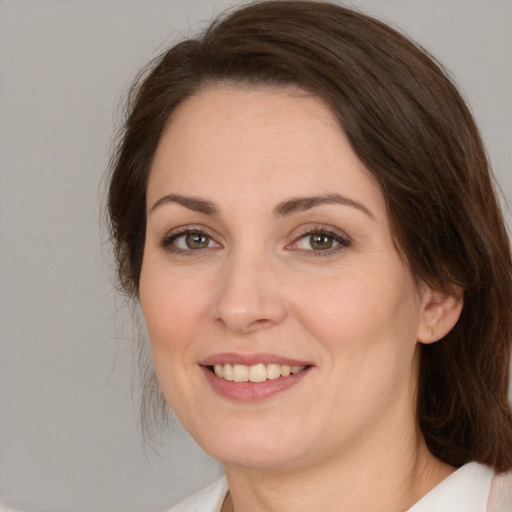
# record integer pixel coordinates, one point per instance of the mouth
(254, 373)
(252, 378)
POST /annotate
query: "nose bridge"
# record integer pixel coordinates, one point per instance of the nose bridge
(249, 297)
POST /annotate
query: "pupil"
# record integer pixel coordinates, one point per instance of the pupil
(196, 241)
(321, 242)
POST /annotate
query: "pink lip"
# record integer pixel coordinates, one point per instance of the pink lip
(251, 359)
(251, 391)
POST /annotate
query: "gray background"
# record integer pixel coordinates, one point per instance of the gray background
(69, 434)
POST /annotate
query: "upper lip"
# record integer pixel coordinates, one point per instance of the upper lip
(251, 359)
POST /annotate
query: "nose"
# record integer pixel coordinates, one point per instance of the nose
(249, 296)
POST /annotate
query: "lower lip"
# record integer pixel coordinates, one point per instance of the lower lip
(252, 391)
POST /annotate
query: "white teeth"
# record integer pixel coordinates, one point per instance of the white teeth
(273, 371)
(255, 373)
(227, 371)
(240, 373)
(285, 370)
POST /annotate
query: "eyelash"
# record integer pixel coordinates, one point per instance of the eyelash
(342, 241)
(168, 240)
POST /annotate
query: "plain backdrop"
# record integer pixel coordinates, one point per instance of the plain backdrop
(69, 433)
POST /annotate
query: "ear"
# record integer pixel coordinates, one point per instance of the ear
(440, 313)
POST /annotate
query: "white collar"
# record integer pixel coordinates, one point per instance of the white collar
(465, 490)
(209, 499)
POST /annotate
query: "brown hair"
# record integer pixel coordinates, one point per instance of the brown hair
(409, 125)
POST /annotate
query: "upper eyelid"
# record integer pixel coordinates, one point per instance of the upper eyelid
(183, 230)
(338, 239)
(328, 230)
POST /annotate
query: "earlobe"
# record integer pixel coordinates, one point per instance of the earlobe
(440, 313)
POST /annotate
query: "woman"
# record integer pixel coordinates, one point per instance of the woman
(302, 205)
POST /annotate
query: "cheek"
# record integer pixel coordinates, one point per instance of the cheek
(171, 305)
(168, 313)
(362, 314)
(367, 326)
(171, 309)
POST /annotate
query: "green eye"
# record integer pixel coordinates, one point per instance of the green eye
(196, 240)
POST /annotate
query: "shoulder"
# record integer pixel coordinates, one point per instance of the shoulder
(209, 499)
(500, 495)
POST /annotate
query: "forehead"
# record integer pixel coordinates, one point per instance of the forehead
(244, 140)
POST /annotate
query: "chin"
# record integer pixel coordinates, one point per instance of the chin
(254, 455)
(257, 444)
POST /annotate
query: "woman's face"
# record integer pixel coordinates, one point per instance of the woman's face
(269, 251)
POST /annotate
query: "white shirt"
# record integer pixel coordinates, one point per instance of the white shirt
(465, 490)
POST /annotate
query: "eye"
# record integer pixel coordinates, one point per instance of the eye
(189, 241)
(320, 241)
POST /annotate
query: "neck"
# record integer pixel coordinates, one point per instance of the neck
(364, 480)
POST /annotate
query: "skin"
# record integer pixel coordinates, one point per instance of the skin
(345, 436)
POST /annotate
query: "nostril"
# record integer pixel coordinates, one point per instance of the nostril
(260, 321)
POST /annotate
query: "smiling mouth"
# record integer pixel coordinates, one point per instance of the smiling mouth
(254, 373)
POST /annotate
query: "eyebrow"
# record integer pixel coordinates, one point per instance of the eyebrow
(300, 204)
(289, 207)
(197, 204)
